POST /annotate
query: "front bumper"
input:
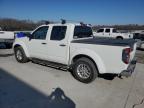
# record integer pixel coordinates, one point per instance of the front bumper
(130, 69)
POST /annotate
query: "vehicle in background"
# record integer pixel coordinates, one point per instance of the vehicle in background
(72, 46)
(7, 38)
(140, 39)
(112, 33)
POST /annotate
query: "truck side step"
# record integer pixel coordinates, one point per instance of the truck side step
(50, 64)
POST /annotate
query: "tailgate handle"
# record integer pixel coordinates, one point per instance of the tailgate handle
(62, 45)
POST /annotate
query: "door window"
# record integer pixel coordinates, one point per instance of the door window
(107, 31)
(58, 32)
(40, 33)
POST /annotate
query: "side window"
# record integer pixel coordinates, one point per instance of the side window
(114, 31)
(107, 30)
(82, 32)
(40, 33)
(58, 32)
(100, 31)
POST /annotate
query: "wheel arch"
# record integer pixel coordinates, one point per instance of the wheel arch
(23, 47)
(119, 37)
(93, 57)
(86, 56)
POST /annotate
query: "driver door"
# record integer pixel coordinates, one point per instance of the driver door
(37, 42)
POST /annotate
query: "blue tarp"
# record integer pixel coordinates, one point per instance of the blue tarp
(20, 35)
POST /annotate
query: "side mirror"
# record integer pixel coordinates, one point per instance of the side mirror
(28, 35)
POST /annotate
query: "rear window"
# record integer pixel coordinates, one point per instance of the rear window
(115, 31)
(82, 32)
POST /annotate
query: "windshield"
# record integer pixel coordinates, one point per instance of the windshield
(82, 32)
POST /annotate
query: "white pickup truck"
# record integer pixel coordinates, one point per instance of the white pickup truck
(73, 47)
(7, 38)
(112, 33)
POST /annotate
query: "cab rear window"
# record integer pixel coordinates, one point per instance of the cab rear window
(82, 32)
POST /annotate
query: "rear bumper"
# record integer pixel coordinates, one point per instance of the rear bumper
(129, 70)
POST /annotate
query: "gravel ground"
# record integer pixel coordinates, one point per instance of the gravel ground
(34, 86)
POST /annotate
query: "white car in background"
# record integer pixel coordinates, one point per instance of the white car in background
(139, 36)
(111, 33)
(7, 38)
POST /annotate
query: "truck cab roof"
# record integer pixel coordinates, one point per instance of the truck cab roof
(59, 24)
(107, 28)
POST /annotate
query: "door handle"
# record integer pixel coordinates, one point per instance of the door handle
(43, 43)
(62, 45)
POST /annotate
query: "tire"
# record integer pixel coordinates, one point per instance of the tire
(8, 45)
(20, 55)
(88, 73)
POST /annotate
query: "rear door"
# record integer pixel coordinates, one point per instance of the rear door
(57, 47)
(107, 33)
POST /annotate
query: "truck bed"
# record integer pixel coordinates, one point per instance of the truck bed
(106, 41)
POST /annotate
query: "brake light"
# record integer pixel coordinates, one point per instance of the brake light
(126, 55)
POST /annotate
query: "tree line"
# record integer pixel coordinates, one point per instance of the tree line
(10, 24)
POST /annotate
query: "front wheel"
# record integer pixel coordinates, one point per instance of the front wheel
(84, 70)
(20, 55)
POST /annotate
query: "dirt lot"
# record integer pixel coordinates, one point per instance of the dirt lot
(34, 86)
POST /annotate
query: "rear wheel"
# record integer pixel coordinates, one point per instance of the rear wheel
(84, 70)
(20, 55)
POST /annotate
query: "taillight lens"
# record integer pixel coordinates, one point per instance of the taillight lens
(126, 55)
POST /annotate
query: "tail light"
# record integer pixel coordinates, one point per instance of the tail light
(126, 55)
